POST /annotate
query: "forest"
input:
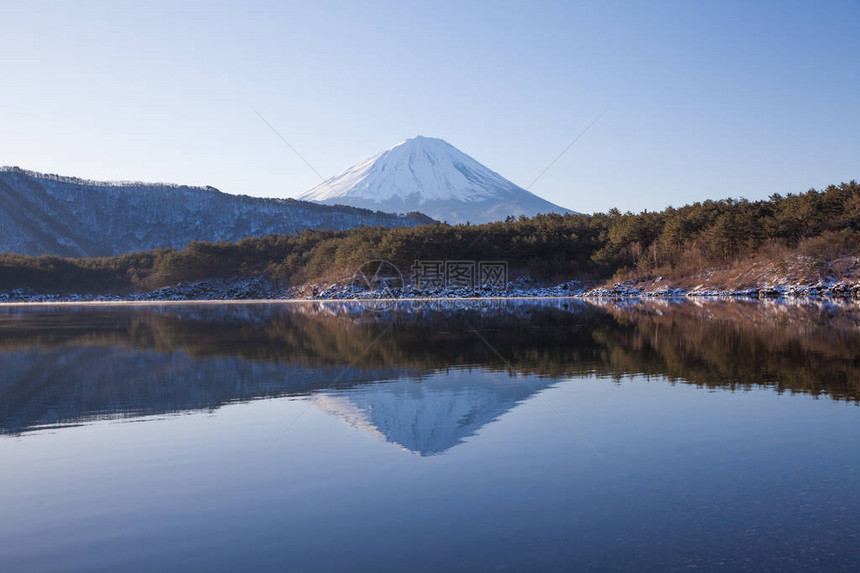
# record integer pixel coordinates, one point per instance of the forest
(816, 227)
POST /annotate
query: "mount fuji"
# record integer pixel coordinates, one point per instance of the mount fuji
(432, 176)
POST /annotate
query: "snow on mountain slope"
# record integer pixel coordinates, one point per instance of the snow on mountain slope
(50, 214)
(432, 176)
(432, 167)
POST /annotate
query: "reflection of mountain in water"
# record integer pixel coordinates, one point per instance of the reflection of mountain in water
(424, 414)
(66, 365)
(71, 385)
(431, 415)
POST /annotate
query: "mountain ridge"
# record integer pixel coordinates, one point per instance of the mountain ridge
(70, 216)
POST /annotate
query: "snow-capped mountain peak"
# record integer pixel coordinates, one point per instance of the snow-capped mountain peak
(430, 175)
(428, 167)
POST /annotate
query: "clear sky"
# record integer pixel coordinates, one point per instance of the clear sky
(702, 99)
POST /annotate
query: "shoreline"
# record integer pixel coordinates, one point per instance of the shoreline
(399, 300)
(260, 290)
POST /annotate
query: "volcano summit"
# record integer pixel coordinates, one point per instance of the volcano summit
(432, 176)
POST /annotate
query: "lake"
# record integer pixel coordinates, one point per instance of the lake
(549, 435)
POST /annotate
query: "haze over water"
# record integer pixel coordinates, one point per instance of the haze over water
(511, 435)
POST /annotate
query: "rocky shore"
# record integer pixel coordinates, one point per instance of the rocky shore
(820, 289)
(257, 288)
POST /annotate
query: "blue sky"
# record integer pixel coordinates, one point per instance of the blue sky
(702, 99)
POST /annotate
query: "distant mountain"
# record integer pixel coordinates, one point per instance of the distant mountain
(432, 176)
(50, 214)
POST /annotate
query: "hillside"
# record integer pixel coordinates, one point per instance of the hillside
(814, 236)
(49, 214)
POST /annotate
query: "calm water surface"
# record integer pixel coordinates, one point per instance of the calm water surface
(512, 436)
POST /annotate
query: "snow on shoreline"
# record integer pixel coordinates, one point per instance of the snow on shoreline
(260, 289)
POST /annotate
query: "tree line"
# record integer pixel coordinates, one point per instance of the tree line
(821, 225)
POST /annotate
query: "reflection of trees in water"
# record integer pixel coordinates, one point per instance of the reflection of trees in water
(59, 364)
(806, 347)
